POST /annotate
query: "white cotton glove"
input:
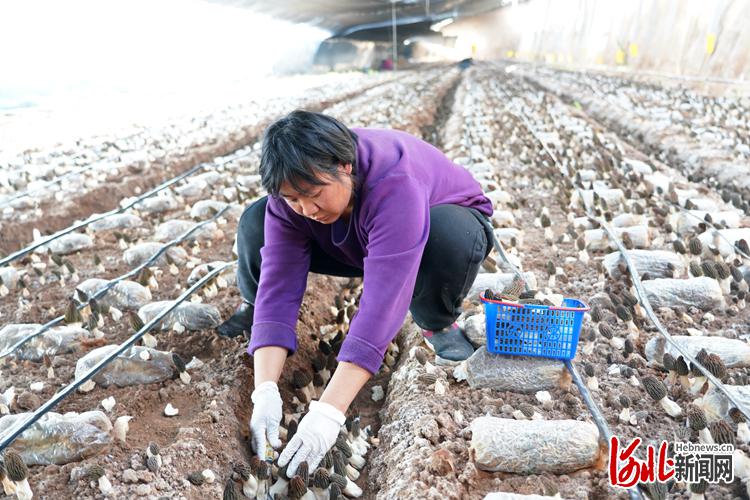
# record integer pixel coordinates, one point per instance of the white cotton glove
(264, 423)
(316, 433)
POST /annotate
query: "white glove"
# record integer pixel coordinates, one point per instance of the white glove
(316, 433)
(264, 423)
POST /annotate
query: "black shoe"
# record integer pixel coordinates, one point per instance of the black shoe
(239, 323)
(450, 343)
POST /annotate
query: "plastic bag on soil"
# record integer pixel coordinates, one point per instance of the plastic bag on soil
(475, 329)
(192, 189)
(707, 204)
(658, 180)
(533, 446)
(654, 262)
(116, 221)
(124, 295)
(503, 218)
(499, 197)
(200, 271)
(191, 315)
(9, 277)
(56, 340)
(717, 405)
(137, 365)
(175, 228)
(733, 235)
(598, 239)
(249, 181)
(66, 244)
(613, 197)
(703, 293)
(206, 209)
(158, 204)
(506, 235)
(140, 253)
(627, 220)
(685, 223)
(733, 352)
(512, 373)
(637, 166)
(496, 282)
(211, 177)
(60, 439)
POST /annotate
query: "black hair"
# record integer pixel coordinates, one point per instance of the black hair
(303, 144)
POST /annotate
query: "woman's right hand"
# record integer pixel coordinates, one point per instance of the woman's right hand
(266, 417)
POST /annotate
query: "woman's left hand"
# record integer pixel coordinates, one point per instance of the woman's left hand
(316, 434)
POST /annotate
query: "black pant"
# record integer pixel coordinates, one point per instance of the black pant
(460, 239)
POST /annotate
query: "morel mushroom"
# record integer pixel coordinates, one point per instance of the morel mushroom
(230, 491)
(658, 392)
(623, 313)
(743, 433)
(181, 368)
(697, 490)
(264, 478)
(696, 270)
(196, 478)
(18, 473)
(682, 370)
(247, 476)
(98, 474)
(668, 361)
(302, 380)
(320, 483)
(592, 382)
(721, 432)
(298, 489)
(8, 486)
(696, 420)
(695, 246)
(281, 485)
(349, 488)
(711, 362)
(625, 416)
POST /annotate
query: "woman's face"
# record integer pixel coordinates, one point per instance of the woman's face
(324, 204)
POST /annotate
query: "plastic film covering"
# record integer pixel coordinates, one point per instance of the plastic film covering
(125, 295)
(192, 316)
(137, 365)
(59, 439)
(57, 340)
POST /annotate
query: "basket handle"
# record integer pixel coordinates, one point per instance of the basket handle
(585, 308)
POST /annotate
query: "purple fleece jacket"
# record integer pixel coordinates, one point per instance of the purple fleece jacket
(400, 178)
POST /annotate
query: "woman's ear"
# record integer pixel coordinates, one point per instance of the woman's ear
(347, 168)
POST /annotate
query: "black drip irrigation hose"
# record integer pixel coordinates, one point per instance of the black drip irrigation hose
(70, 388)
(102, 291)
(20, 253)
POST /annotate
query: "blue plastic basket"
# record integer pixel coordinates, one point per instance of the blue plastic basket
(534, 330)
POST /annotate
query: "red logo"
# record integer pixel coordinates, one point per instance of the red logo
(633, 470)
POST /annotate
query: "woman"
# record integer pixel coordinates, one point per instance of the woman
(376, 203)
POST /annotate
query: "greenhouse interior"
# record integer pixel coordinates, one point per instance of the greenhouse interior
(381, 249)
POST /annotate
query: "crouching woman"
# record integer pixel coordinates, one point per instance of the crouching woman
(375, 203)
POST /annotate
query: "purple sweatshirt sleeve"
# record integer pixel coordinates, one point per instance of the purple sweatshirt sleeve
(286, 253)
(397, 214)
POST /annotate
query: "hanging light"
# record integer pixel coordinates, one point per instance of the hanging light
(441, 24)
